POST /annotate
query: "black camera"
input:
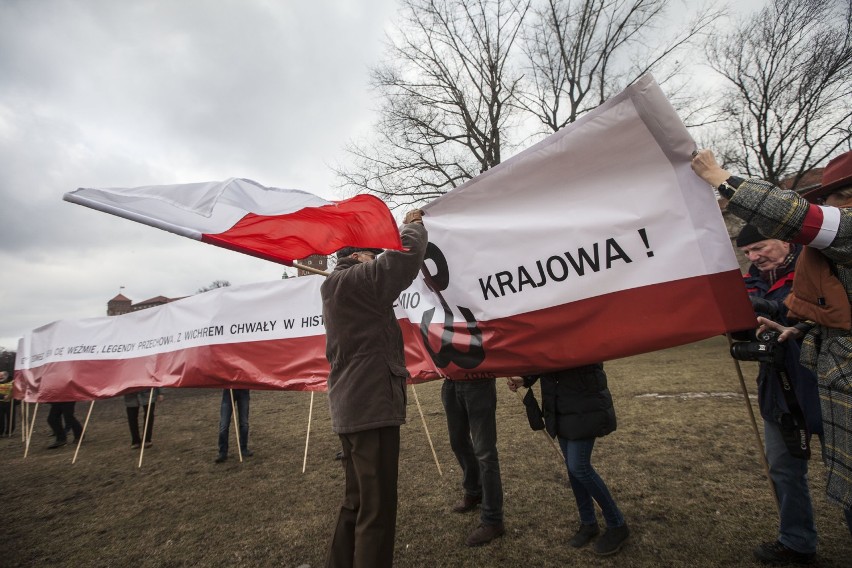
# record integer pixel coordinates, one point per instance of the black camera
(763, 347)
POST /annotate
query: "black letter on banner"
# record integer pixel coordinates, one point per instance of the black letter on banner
(447, 354)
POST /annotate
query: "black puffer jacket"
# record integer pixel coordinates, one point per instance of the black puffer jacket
(576, 402)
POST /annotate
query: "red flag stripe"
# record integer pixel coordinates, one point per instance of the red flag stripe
(312, 230)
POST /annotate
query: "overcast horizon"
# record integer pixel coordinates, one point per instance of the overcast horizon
(120, 94)
(95, 93)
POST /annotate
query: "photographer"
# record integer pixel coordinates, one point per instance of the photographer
(823, 223)
(788, 418)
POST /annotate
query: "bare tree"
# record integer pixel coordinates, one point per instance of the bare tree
(446, 89)
(582, 52)
(213, 285)
(790, 96)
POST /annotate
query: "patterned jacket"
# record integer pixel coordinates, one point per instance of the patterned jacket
(782, 214)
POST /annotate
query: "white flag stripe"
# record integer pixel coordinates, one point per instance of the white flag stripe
(210, 207)
(602, 190)
(828, 229)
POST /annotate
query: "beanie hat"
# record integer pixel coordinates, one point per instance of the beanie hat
(749, 235)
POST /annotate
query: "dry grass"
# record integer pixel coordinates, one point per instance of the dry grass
(685, 472)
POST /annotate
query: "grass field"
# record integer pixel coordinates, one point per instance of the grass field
(683, 466)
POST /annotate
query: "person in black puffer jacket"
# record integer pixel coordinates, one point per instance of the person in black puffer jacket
(578, 409)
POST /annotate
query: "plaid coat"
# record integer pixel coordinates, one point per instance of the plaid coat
(783, 215)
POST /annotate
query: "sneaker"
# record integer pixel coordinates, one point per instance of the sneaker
(467, 503)
(135, 446)
(777, 553)
(584, 535)
(483, 534)
(612, 540)
(57, 444)
(221, 458)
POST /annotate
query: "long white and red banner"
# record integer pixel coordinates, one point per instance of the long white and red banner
(597, 243)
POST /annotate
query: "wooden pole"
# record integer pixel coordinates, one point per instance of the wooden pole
(145, 431)
(308, 436)
(24, 413)
(760, 449)
(546, 435)
(30, 431)
(83, 433)
(309, 269)
(236, 427)
(426, 429)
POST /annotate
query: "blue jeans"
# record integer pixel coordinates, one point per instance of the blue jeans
(587, 485)
(790, 477)
(471, 408)
(241, 400)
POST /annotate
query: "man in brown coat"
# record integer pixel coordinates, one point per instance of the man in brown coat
(366, 390)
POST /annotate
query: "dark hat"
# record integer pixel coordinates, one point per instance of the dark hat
(836, 175)
(346, 251)
(749, 235)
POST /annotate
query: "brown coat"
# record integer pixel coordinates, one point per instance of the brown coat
(366, 384)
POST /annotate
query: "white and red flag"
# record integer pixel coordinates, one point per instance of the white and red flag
(281, 225)
(597, 243)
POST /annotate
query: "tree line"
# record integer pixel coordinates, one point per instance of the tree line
(465, 83)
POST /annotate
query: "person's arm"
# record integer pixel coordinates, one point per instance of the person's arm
(780, 213)
(705, 165)
(395, 270)
(787, 332)
(514, 383)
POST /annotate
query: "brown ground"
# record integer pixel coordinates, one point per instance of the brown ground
(684, 470)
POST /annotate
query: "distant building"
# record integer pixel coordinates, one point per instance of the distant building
(317, 261)
(123, 305)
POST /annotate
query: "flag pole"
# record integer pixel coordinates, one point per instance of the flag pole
(309, 269)
(426, 429)
(236, 426)
(308, 436)
(24, 414)
(83, 433)
(760, 449)
(546, 435)
(30, 431)
(145, 430)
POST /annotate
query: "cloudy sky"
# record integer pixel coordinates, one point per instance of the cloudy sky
(98, 93)
(104, 93)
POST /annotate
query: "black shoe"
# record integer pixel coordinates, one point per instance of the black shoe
(584, 535)
(612, 540)
(777, 553)
(135, 445)
(483, 534)
(221, 458)
(248, 453)
(57, 444)
(467, 503)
